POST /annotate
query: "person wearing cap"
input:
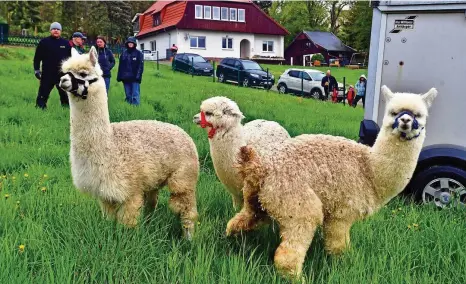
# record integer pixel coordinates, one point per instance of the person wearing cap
(130, 71)
(50, 51)
(360, 91)
(77, 42)
(329, 83)
(106, 60)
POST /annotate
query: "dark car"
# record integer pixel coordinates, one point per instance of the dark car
(244, 72)
(192, 63)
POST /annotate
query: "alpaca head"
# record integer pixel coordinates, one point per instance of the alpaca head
(80, 71)
(218, 113)
(406, 113)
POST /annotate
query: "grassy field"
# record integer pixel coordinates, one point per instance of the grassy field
(50, 233)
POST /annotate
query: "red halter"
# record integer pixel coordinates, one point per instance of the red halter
(205, 123)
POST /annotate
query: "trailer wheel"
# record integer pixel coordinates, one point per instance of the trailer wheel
(442, 185)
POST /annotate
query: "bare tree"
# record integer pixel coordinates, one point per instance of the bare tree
(334, 9)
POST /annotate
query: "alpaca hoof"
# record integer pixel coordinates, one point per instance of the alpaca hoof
(233, 227)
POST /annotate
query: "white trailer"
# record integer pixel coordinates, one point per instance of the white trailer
(417, 45)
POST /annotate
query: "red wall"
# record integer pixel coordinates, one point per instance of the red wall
(256, 21)
(299, 47)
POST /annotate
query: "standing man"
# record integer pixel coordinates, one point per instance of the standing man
(77, 42)
(130, 71)
(51, 51)
(106, 60)
(329, 83)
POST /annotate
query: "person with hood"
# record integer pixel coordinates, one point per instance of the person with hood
(106, 60)
(50, 51)
(77, 42)
(130, 71)
(361, 91)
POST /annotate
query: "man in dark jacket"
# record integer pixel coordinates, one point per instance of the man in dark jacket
(329, 83)
(51, 51)
(106, 60)
(130, 71)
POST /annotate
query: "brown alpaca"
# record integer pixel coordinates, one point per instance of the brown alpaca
(122, 164)
(314, 180)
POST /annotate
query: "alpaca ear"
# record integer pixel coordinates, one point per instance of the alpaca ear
(93, 56)
(429, 97)
(74, 52)
(387, 93)
(231, 112)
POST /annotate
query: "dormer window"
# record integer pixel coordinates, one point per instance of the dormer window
(157, 20)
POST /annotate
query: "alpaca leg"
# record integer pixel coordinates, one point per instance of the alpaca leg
(108, 209)
(251, 215)
(237, 201)
(182, 186)
(151, 199)
(130, 210)
(337, 236)
(295, 241)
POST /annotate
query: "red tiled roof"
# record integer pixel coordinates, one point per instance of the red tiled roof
(170, 16)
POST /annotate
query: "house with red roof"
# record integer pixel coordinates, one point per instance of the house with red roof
(212, 29)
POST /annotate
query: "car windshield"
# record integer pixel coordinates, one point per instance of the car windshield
(196, 59)
(250, 65)
(317, 76)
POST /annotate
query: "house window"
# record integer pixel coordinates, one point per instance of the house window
(197, 42)
(216, 13)
(207, 12)
(227, 43)
(198, 11)
(153, 46)
(157, 20)
(224, 14)
(267, 46)
(142, 46)
(233, 14)
(241, 15)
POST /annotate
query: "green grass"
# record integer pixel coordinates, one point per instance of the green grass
(66, 240)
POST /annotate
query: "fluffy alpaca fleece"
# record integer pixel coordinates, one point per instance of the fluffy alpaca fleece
(224, 117)
(124, 164)
(304, 184)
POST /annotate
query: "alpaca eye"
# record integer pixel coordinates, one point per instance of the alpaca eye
(82, 74)
(393, 113)
(417, 115)
(208, 113)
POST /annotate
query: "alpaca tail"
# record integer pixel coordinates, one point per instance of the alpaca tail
(250, 167)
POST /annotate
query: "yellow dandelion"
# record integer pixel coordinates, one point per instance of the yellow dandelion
(7, 196)
(13, 177)
(198, 223)
(409, 227)
(46, 176)
(416, 225)
(21, 248)
(43, 189)
(399, 208)
(394, 211)
(17, 202)
(26, 175)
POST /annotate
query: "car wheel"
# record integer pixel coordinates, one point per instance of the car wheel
(316, 94)
(282, 89)
(221, 78)
(444, 186)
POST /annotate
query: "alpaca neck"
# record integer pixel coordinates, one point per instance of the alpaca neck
(393, 162)
(90, 127)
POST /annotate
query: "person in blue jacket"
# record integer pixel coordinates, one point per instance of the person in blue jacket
(51, 51)
(106, 60)
(130, 71)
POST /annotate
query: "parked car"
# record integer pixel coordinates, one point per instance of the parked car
(184, 62)
(149, 55)
(248, 73)
(309, 80)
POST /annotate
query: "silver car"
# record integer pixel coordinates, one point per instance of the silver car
(307, 81)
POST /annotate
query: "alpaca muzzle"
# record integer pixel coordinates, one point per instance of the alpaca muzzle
(76, 83)
(405, 126)
(205, 123)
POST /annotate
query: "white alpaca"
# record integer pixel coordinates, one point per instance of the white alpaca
(222, 118)
(303, 185)
(122, 164)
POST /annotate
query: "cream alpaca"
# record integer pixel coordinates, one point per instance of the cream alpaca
(303, 185)
(227, 135)
(122, 164)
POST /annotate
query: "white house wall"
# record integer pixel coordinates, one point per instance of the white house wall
(163, 42)
(214, 49)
